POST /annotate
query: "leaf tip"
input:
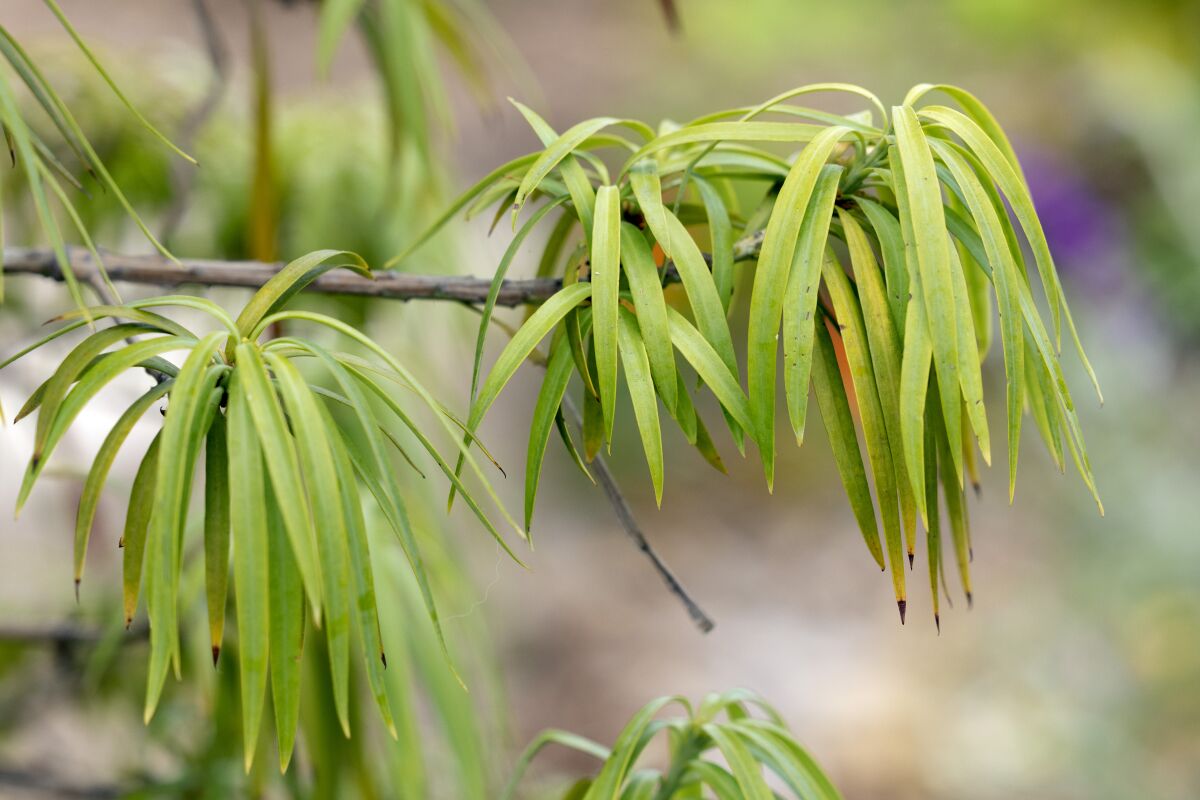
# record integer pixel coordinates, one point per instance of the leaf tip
(216, 654)
(970, 600)
(903, 606)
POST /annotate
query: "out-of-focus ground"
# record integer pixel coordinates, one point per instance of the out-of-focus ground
(1077, 674)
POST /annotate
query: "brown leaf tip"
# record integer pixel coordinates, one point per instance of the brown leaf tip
(910, 560)
(903, 606)
(937, 620)
(77, 591)
(383, 658)
(970, 600)
(216, 651)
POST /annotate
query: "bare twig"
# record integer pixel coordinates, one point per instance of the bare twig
(183, 175)
(625, 516)
(155, 270)
(63, 634)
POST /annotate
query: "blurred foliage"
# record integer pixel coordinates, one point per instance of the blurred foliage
(334, 179)
(749, 746)
(448, 741)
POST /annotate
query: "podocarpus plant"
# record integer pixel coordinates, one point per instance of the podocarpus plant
(885, 240)
(879, 249)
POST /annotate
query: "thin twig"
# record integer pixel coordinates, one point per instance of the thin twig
(64, 634)
(625, 516)
(158, 271)
(155, 270)
(183, 175)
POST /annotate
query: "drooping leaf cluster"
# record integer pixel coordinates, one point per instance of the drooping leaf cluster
(881, 248)
(750, 748)
(285, 458)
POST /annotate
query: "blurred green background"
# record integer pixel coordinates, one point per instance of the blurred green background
(1077, 673)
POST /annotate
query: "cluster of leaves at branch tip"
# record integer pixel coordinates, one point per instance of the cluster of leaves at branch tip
(881, 248)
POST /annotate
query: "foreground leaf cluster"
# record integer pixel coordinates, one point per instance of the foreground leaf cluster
(285, 459)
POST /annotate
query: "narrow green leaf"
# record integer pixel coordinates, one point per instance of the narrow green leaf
(251, 560)
(969, 370)
(89, 498)
(489, 305)
(745, 770)
(956, 506)
(137, 521)
(97, 377)
(839, 424)
(545, 411)
(606, 284)
(645, 286)
(216, 530)
(521, 345)
(557, 150)
(283, 468)
(891, 245)
(709, 366)
(183, 431)
(1005, 274)
(886, 356)
(783, 132)
(720, 232)
(465, 198)
(770, 285)
(69, 370)
(921, 194)
(547, 737)
(866, 393)
(679, 246)
(62, 18)
(284, 285)
(800, 300)
(933, 526)
(801, 763)
(285, 601)
(336, 16)
(641, 392)
(361, 568)
(321, 485)
(583, 196)
(612, 775)
(373, 467)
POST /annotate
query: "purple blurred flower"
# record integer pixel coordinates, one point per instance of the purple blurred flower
(1087, 236)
